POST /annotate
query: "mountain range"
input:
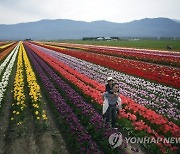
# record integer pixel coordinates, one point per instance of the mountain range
(70, 29)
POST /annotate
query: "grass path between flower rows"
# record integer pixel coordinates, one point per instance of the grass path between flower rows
(30, 140)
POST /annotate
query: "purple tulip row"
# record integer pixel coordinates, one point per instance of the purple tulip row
(163, 100)
(65, 111)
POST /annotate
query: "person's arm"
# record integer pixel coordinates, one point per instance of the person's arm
(119, 103)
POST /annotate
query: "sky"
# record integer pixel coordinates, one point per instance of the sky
(17, 11)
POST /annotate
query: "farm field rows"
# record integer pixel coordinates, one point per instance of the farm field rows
(57, 87)
(161, 74)
(140, 44)
(153, 56)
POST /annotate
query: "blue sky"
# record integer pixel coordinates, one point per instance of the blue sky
(16, 11)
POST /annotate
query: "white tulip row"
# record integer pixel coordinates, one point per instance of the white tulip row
(5, 78)
(5, 62)
(164, 100)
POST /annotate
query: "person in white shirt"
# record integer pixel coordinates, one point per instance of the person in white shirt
(111, 102)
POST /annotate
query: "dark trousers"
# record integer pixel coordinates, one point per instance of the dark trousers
(111, 114)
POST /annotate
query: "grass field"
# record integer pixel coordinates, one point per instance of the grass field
(146, 44)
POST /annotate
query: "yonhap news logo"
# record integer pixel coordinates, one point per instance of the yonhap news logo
(115, 140)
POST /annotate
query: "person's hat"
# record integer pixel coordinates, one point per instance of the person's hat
(109, 78)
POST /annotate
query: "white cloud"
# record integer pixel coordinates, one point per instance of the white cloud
(14, 11)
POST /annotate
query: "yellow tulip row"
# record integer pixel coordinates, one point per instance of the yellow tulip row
(19, 94)
(6, 45)
(34, 88)
(20, 104)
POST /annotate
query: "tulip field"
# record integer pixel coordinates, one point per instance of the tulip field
(51, 98)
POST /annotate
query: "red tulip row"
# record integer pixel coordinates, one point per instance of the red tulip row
(164, 124)
(95, 93)
(161, 74)
(141, 126)
(158, 57)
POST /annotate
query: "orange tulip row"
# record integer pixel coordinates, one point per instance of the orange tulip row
(7, 51)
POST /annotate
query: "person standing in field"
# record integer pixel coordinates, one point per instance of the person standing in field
(109, 89)
(111, 103)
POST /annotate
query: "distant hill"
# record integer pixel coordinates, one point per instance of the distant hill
(70, 29)
(176, 20)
